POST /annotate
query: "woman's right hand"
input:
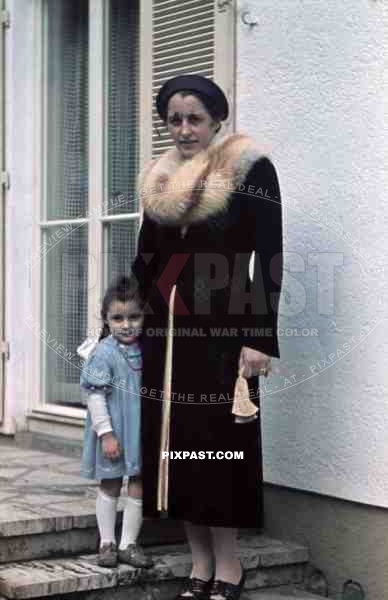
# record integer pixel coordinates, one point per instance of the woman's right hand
(110, 446)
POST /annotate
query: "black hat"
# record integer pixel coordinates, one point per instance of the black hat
(212, 95)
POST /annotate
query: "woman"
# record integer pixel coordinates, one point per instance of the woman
(209, 203)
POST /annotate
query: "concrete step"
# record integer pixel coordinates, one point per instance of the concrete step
(284, 592)
(269, 563)
(48, 510)
(74, 540)
(53, 444)
(73, 534)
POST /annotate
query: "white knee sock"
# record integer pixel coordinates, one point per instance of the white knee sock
(106, 510)
(132, 520)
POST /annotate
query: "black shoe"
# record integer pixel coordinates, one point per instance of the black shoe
(195, 589)
(228, 591)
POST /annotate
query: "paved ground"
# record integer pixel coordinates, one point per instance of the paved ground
(34, 483)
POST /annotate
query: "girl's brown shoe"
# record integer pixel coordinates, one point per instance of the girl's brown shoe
(135, 556)
(107, 556)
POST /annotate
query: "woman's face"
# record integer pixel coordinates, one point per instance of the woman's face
(190, 125)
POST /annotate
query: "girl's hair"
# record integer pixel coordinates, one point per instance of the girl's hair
(122, 289)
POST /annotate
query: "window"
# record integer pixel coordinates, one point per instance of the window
(102, 62)
(66, 195)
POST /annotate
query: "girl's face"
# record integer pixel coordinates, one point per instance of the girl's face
(190, 125)
(125, 320)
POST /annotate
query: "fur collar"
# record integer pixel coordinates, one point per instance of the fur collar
(175, 191)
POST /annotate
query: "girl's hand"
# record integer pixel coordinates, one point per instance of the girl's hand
(110, 446)
(252, 363)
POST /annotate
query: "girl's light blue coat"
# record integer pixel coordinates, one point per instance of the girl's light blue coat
(114, 369)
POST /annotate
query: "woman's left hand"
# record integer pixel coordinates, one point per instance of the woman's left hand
(253, 362)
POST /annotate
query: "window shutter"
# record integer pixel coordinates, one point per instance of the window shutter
(183, 35)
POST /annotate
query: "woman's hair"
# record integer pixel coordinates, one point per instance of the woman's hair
(122, 289)
(205, 89)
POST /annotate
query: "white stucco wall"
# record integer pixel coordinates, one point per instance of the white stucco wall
(312, 87)
(20, 162)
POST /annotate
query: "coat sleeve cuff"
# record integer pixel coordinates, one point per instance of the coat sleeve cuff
(266, 344)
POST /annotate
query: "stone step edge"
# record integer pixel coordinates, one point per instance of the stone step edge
(75, 542)
(282, 592)
(38, 579)
(37, 523)
(256, 550)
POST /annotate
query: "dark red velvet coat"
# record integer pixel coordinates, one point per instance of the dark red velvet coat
(205, 364)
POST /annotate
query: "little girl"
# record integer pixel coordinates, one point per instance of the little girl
(110, 380)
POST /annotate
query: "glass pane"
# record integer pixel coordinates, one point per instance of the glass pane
(65, 319)
(123, 131)
(67, 109)
(120, 248)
